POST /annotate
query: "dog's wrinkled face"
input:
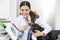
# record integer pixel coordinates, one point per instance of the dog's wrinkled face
(36, 27)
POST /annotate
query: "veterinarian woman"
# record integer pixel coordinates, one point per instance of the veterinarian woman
(26, 18)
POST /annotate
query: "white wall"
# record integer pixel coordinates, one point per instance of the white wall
(57, 15)
(8, 9)
(49, 10)
(4, 8)
(13, 9)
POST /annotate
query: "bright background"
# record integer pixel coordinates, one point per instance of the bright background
(49, 10)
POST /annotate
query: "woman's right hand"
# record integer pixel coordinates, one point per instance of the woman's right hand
(24, 27)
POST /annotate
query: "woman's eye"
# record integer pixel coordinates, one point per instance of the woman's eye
(22, 10)
(26, 9)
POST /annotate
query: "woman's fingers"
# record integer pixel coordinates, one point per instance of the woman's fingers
(24, 27)
(38, 33)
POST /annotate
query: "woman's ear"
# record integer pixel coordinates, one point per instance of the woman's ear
(20, 13)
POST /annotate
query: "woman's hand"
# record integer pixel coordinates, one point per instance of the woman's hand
(24, 27)
(38, 33)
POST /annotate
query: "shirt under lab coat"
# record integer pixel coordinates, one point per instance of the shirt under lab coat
(19, 21)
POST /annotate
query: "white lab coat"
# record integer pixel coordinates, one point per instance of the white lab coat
(19, 21)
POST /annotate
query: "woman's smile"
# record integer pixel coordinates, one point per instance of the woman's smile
(25, 11)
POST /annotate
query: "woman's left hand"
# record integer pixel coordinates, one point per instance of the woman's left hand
(38, 33)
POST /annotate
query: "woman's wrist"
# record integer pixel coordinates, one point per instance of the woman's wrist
(21, 31)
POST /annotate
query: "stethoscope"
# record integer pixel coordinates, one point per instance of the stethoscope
(18, 29)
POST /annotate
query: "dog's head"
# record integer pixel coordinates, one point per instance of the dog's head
(36, 27)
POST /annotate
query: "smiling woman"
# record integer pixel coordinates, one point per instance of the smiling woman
(25, 11)
(29, 17)
(45, 9)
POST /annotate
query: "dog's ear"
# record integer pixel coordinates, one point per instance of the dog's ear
(36, 27)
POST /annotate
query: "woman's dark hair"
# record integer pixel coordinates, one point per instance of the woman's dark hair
(32, 14)
(25, 3)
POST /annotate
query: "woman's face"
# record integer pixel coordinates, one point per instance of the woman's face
(25, 10)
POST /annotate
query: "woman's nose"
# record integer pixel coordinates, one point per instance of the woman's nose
(24, 11)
